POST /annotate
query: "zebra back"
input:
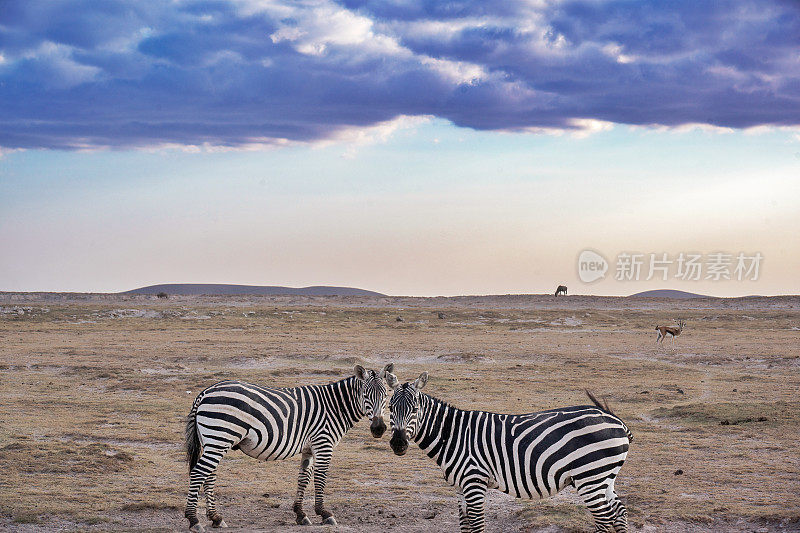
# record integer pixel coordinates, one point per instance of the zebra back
(528, 455)
(273, 423)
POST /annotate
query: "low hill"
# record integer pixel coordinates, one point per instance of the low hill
(667, 293)
(261, 290)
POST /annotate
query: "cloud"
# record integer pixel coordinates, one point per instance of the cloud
(239, 74)
(356, 138)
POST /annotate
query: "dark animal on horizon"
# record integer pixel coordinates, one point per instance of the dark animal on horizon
(674, 331)
(276, 423)
(533, 455)
(562, 289)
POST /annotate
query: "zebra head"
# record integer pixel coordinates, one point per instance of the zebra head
(403, 412)
(373, 396)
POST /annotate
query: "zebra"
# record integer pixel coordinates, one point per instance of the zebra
(531, 455)
(276, 423)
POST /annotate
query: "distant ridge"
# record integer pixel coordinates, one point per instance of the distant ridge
(261, 290)
(667, 293)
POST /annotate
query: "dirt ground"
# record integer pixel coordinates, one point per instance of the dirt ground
(95, 389)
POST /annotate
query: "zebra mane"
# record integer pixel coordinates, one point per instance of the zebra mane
(452, 407)
(352, 379)
(434, 400)
(351, 383)
(602, 405)
(445, 406)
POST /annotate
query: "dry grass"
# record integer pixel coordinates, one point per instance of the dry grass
(95, 390)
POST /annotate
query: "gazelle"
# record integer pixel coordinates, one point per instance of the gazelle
(663, 331)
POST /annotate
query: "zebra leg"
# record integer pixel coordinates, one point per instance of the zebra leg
(322, 460)
(475, 501)
(595, 497)
(463, 519)
(206, 465)
(306, 470)
(211, 501)
(620, 512)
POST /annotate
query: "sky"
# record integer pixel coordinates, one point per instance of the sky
(406, 147)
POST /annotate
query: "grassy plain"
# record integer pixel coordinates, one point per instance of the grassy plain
(95, 388)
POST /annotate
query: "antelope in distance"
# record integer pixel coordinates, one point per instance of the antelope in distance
(674, 331)
(562, 289)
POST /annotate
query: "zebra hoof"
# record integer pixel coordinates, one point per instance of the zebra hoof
(198, 528)
(304, 521)
(330, 521)
(221, 523)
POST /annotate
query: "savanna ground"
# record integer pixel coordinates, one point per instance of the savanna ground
(95, 389)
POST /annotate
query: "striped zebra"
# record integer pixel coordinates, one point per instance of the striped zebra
(530, 455)
(276, 423)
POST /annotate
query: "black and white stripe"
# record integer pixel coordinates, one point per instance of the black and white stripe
(276, 423)
(531, 455)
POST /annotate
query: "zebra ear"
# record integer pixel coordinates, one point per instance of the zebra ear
(360, 372)
(421, 381)
(392, 381)
(388, 369)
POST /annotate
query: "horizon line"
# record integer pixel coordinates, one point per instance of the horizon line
(378, 294)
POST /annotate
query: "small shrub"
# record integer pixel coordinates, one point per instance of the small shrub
(27, 517)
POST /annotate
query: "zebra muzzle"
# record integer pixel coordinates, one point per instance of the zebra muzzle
(399, 442)
(377, 427)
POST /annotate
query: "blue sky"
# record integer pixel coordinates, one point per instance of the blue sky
(410, 148)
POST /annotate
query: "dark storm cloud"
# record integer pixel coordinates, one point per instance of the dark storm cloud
(129, 73)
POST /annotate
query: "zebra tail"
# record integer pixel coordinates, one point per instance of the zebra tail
(192, 441)
(603, 406)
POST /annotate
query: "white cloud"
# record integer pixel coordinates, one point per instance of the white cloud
(441, 30)
(351, 138)
(6, 151)
(615, 51)
(287, 33)
(589, 126)
(255, 144)
(681, 128)
(64, 71)
(580, 128)
(358, 137)
(457, 72)
(313, 30)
